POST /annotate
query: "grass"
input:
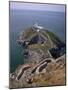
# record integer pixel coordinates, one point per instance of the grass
(28, 33)
(43, 47)
(54, 37)
(53, 76)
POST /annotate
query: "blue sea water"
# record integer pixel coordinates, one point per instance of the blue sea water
(21, 19)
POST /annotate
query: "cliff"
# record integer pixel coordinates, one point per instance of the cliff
(45, 59)
(40, 44)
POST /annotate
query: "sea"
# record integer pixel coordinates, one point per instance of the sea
(19, 20)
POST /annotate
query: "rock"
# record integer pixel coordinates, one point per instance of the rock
(29, 80)
(38, 58)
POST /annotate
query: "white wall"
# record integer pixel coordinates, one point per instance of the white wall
(4, 44)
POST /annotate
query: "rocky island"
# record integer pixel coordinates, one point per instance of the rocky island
(45, 59)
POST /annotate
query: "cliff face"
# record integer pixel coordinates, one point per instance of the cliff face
(48, 72)
(31, 36)
(39, 44)
(45, 56)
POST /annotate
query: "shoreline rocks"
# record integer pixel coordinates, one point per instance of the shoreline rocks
(40, 64)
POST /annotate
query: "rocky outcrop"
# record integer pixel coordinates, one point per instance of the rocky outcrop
(41, 63)
(40, 44)
(21, 71)
(31, 36)
(27, 72)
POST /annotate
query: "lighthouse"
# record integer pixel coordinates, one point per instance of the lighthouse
(37, 27)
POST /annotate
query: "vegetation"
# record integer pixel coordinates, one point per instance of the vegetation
(43, 47)
(54, 38)
(53, 73)
(28, 33)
